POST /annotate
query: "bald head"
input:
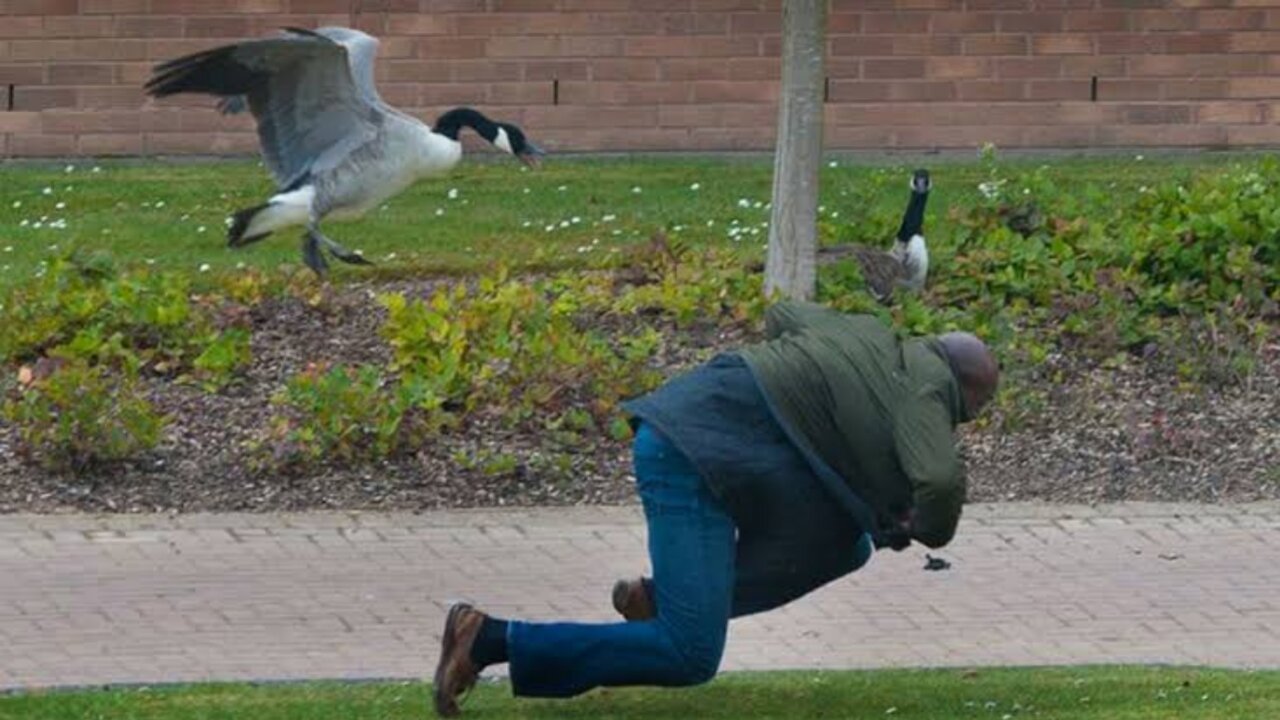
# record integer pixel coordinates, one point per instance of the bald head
(975, 367)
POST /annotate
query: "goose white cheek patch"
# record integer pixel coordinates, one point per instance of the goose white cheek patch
(502, 141)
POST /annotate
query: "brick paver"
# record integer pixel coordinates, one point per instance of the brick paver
(126, 599)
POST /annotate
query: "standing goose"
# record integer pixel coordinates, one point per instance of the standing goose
(331, 143)
(907, 263)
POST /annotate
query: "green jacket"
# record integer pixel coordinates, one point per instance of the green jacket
(880, 411)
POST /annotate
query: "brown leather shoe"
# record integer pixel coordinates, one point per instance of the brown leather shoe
(633, 599)
(455, 673)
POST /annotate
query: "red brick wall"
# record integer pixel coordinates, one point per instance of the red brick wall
(680, 74)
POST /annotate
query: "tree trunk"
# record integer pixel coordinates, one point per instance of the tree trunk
(793, 225)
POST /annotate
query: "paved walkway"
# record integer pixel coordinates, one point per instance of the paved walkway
(146, 599)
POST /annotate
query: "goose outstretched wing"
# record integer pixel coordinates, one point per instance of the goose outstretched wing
(299, 88)
(362, 51)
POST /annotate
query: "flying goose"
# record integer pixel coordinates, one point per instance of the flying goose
(331, 143)
(907, 263)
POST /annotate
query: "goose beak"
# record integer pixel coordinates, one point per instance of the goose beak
(532, 155)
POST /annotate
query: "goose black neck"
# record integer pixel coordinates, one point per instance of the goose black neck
(913, 218)
(450, 123)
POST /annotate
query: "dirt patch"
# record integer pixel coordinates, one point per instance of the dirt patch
(1134, 432)
(1103, 434)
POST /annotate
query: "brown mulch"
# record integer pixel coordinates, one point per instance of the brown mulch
(1134, 432)
(1105, 434)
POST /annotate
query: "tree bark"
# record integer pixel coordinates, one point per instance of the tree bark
(793, 225)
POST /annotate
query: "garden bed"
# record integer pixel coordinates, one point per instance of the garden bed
(1127, 431)
(1137, 325)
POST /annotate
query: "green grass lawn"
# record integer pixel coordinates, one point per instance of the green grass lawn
(1104, 693)
(573, 211)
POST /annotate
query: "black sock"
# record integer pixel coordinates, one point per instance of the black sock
(490, 646)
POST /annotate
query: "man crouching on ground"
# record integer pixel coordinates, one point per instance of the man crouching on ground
(764, 474)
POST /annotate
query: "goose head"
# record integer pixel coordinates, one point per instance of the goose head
(503, 135)
(920, 182)
(512, 140)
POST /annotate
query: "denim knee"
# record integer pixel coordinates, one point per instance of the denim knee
(702, 668)
(699, 661)
(696, 670)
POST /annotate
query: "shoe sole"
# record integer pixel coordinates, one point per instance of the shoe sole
(621, 598)
(621, 590)
(447, 706)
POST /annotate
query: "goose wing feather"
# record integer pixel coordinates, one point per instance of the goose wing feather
(299, 88)
(362, 52)
(880, 270)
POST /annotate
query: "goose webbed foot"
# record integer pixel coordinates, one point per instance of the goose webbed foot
(343, 254)
(314, 242)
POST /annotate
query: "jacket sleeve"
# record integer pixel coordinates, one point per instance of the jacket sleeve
(927, 453)
(790, 316)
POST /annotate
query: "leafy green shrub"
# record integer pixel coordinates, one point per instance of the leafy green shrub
(487, 462)
(499, 349)
(50, 308)
(688, 286)
(511, 349)
(343, 414)
(226, 353)
(1221, 347)
(1209, 240)
(80, 416)
(1187, 269)
(250, 286)
(82, 306)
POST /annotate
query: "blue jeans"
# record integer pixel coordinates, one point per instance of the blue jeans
(693, 547)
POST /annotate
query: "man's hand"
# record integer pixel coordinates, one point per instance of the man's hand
(895, 540)
(897, 536)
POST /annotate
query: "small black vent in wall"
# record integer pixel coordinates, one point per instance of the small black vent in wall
(1093, 89)
(555, 91)
(8, 105)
